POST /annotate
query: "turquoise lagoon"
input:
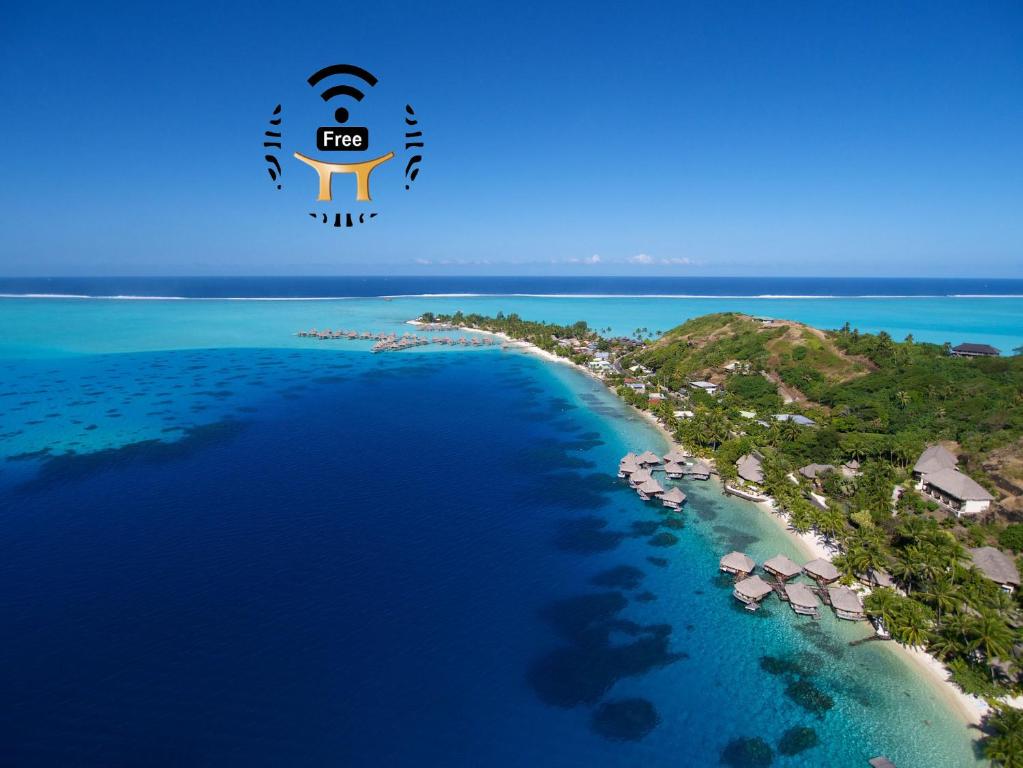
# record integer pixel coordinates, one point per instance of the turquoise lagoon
(228, 545)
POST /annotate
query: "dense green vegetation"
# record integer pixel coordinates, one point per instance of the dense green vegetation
(874, 401)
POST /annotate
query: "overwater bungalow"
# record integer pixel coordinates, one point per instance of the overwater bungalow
(674, 457)
(673, 498)
(649, 458)
(822, 571)
(639, 477)
(802, 600)
(881, 762)
(628, 465)
(649, 490)
(782, 568)
(751, 591)
(738, 563)
(847, 604)
(673, 470)
(698, 470)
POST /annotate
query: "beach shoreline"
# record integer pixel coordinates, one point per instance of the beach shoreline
(970, 709)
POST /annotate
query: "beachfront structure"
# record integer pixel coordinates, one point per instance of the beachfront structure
(673, 498)
(802, 600)
(684, 415)
(814, 471)
(639, 477)
(649, 490)
(876, 577)
(751, 591)
(750, 469)
(635, 385)
(707, 386)
(738, 563)
(997, 566)
(676, 457)
(822, 571)
(851, 468)
(782, 568)
(847, 604)
(974, 350)
(673, 470)
(957, 491)
(649, 458)
(698, 470)
(795, 418)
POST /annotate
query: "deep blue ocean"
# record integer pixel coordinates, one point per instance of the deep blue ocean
(223, 545)
(341, 287)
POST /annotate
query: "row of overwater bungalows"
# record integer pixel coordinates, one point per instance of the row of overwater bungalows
(638, 469)
(802, 598)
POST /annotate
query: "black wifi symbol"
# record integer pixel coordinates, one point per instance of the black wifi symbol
(342, 89)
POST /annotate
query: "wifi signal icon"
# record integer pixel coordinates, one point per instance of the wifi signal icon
(342, 89)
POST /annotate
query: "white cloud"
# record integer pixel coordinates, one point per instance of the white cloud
(641, 258)
(423, 261)
(594, 259)
(678, 260)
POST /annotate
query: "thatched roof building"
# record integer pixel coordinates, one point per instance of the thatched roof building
(802, 600)
(673, 498)
(997, 566)
(737, 562)
(822, 570)
(847, 604)
(782, 567)
(752, 589)
(750, 469)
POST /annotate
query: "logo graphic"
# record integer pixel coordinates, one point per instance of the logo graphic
(342, 88)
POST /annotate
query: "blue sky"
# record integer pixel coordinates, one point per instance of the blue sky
(869, 138)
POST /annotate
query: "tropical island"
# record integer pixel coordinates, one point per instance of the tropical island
(904, 458)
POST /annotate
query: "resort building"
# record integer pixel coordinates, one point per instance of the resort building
(628, 465)
(795, 418)
(649, 458)
(738, 563)
(782, 568)
(709, 387)
(938, 477)
(650, 489)
(960, 493)
(698, 470)
(750, 469)
(673, 470)
(674, 457)
(975, 350)
(751, 591)
(802, 600)
(812, 471)
(877, 577)
(639, 477)
(851, 468)
(822, 571)
(683, 415)
(847, 604)
(673, 498)
(997, 566)
(934, 459)
(635, 384)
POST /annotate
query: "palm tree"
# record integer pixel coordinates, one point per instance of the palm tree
(943, 595)
(902, 398)
(883, 603)
(991, 637)
(1003, 745)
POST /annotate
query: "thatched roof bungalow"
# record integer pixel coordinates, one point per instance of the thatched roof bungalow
(782, 568)
(821, 570)
(847, 604)
(802, 600)
(737, 562)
